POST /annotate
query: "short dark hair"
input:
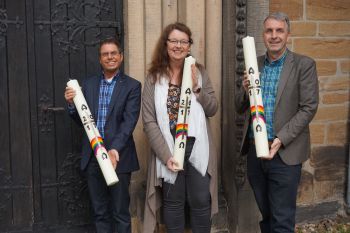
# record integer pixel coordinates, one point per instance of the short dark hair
(110, 40)
(280, 16)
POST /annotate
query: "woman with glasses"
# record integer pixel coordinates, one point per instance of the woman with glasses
(196, 185)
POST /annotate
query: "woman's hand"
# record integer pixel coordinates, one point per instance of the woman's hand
(195, 85)
(171, 164)
(194, 77)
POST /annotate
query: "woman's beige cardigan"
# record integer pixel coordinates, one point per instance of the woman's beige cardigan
(160, 148)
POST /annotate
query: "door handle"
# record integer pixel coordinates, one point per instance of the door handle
(55, 109)
(46, 117)
(45, 108)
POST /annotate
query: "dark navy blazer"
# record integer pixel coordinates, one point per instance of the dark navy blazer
(122, 116)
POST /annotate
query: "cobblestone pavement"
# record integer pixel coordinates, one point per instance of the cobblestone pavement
(340, 224)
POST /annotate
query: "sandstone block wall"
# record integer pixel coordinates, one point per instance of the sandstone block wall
(321, 29)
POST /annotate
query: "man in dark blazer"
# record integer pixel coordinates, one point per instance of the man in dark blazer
(114, 100)
(289, 87)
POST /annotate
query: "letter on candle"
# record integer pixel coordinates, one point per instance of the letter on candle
(255, 98)
(93, 134)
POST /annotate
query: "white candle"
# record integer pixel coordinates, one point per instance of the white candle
(93, 134)
(184, 111)
(255, 98)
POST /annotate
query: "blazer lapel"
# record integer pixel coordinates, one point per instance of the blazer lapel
(285, 74)
(116, 91)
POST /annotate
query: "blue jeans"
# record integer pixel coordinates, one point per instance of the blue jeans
(275, 186)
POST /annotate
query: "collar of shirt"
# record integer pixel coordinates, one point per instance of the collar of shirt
(278, 62)
(109, 81)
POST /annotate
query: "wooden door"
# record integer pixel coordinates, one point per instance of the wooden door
(43, 43)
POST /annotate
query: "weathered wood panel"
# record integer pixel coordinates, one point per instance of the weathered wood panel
(228, 144)
(45, 90)
(5, 170)
(42, 44)
(20, 184)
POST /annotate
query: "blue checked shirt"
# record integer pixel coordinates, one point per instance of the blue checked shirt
(106, 90)
(269, 82)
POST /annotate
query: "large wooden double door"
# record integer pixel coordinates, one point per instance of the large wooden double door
(43, 43)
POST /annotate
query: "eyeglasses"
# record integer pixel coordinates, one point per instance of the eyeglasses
(113, 54)
(183, 43)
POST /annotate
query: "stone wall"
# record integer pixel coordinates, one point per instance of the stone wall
(321, 29)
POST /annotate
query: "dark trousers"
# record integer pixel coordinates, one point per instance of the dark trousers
(275, 186)
(192, 187)
(110, 204)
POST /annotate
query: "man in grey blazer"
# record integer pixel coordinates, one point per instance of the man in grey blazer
(290, 96)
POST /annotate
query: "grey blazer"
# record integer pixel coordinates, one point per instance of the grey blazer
(296, 104)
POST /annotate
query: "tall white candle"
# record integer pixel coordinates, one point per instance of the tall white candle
(184, 111)
(93, 134)
(255, 98)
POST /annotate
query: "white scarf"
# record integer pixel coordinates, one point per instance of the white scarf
(197, 128)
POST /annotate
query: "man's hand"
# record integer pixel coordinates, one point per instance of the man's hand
(69, 94)
(114, 157)
(275, 146)
(171, 163)
(245, 81)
